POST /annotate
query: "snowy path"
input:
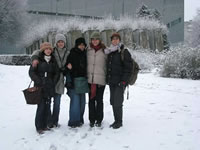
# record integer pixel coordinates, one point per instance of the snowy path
(161, 114)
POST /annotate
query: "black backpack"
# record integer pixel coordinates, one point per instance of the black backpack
(134, 71)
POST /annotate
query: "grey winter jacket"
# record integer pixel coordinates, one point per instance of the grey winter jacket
(96, 66)
(61, 61)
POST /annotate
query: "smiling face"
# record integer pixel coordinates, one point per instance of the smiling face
(115, 41)
(95, 42)
(81, 47)
(47, 51)
(60, 44)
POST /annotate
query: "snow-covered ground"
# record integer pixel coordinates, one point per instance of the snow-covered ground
(161, 114)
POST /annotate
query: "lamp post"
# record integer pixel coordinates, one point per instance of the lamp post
(51, 6)
(57, 6)
(123, 8)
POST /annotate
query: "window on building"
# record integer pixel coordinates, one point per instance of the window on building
(168, 25)
(175, 22)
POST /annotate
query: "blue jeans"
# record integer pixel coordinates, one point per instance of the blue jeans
(43, 109)
(54, 116)
(77, 108)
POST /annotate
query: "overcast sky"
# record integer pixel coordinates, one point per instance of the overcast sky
(191, 7)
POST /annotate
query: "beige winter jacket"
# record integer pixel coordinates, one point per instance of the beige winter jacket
(96, 66)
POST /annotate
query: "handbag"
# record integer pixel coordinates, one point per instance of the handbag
(81, 85)
(33, 95)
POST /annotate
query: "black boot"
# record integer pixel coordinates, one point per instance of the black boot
(112, 124)
(117, 125)
(118, 117)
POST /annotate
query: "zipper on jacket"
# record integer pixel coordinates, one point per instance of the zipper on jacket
(93, 67)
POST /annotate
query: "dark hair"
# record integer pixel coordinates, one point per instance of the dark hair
(116, 35)
(80, 41)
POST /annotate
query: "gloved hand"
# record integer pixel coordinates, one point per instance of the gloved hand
(35, 63)
(122, 84)
(68, 85)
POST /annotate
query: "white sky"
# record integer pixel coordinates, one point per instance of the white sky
(191, 7)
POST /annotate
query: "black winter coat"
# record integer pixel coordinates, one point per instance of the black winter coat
(45, 75)
(78, 60)
(118, 70)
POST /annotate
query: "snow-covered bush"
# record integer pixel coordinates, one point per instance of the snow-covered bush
(148, 60)
(182, 62)
(15, 59)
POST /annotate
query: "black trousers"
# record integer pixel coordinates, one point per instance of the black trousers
(96, 105)
(42, 113)
(116, 100)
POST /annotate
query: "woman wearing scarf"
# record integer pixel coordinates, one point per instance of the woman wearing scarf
(96, 72)
(118, 73)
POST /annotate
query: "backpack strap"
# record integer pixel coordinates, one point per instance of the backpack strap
(122, 54)
(127, 92)
(30, 84)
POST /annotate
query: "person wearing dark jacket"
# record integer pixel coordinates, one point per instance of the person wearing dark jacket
(60, 52)
(77, 64)
(118, 74)
(44, 75)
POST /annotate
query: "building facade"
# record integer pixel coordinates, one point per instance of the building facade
(172, 11)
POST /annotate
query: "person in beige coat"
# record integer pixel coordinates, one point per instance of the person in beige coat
(96, 72)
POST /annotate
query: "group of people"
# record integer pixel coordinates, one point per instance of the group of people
(83, 69)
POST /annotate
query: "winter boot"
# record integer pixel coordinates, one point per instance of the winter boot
(118, 117)
(117, 125)
(112, 124)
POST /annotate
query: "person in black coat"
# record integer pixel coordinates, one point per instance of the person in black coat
(77, 64)
(44, 75)
(118, 74)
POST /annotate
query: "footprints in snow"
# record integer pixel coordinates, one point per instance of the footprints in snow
(53, 147)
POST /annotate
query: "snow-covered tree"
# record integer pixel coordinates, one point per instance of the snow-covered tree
(156, 14)
(143, 11)
(12, 19)
(194, 35)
